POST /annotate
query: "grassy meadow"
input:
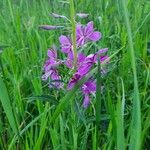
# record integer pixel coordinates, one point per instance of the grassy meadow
(32, 116)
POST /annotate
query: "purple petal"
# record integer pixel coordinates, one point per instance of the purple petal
(66, 49)
(80, 41)
(80, 35)
(92, 58)
(64, 40)
(95, 36)
(81, 58)
(104, 58)
(89, 28)
(46, 76)
(88, 62)
(70, 56)
(52, 54)
(89, 87)
(73, 81)
(69, 63)
(51, 63)
(79, 31)
(65, 44)
(56, 79)
(84, 69)
(54, 75)
(86, 101)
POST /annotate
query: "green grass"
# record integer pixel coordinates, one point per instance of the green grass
(35, 117)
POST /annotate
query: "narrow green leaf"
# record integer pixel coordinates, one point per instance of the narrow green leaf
(120, 120)
(98, 94)
(135, 135)
(4, 98)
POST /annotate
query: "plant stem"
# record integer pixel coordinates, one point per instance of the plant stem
(72, 12)
(98, 102)
(98, 94)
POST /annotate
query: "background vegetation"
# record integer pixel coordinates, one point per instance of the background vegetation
(35, 117)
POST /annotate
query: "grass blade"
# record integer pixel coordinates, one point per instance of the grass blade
(98, 94)
(135, 138)
(4, 98)
(120, 119)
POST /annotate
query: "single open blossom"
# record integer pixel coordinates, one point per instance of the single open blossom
(56, 79)
(52, 60)
(50, 67)
(87, 64)
(86, 33)
(50, 27)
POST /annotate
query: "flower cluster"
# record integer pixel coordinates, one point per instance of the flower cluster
(84, 34)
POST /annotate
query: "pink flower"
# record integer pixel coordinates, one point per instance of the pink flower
(87, 64)
(86, 33)
(50, 68)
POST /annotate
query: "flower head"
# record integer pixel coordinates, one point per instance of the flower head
(83, 63)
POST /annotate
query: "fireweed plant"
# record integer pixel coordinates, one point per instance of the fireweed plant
(84, 34)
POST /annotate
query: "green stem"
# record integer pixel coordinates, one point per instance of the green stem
(135, 141)
(73, 22)
(98, 102)
(98, 94)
